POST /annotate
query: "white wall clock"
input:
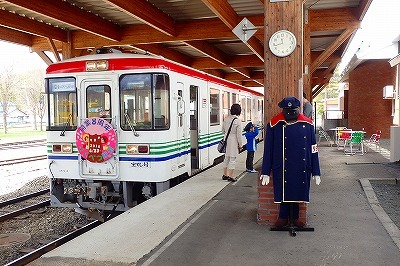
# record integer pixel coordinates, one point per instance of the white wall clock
(282, 43)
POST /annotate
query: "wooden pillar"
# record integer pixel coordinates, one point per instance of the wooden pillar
(68, 50)
(282, 74)
(283, 77)
(307, 57)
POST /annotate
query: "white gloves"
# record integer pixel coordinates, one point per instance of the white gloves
(317, 179)
(264, 180)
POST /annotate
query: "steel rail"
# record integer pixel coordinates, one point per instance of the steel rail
(52, 245)
(22, 160)
(23, 210)
(24, 197)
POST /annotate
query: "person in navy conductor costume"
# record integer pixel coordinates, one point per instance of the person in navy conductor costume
(290, 158)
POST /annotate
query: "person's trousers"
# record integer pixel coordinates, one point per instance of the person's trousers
(249, 160)
(284, 210)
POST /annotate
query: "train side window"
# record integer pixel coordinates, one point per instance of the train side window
(136, 101)
(243, 105)
(225, 104)
(248, 109)
(161, 101)
(144, 101)
(62, 103)
(214, 107)
(235, 98)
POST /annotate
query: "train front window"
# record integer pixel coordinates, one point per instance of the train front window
(62, 107)
(144, 101)
(98, 99)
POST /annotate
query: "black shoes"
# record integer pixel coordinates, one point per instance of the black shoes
(284, 222)
(230, 179)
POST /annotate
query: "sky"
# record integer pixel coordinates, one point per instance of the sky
(378, 35)
(19, 57)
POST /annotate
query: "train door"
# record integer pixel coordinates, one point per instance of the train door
(181, 134)
(194, 127)
(97, 117)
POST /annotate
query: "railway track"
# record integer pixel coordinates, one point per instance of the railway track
(26, 209)
(52, 245)
(22, 160)
(22, 144)
(41, 244)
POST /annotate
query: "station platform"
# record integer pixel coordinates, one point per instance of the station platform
(208, 221)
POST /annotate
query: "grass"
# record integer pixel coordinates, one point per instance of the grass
(22, 133)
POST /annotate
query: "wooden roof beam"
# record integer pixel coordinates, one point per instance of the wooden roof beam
(77, 17)
(333, 57)
(14, 36)
(252, 83)
(158, 49)
(44, 57)
(235, 62)
(226, 13)
(21, 23)
(144, 34)
(209, 50)
(147, 13)
(326, 74)
(333, 19)
(362, 8)
(256, 75)
(214, 53)
(245, 72)
(332, 48)
(215, 72)
(54, 50)
(319, 90)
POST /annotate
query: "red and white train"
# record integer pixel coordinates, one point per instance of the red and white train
(124, 127)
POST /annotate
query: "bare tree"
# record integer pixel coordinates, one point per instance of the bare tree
(8, 82)
(32, 94)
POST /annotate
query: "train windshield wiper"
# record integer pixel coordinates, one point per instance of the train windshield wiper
(128, 119)
(66, 124)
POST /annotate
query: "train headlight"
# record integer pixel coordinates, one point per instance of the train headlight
(62, 148)
(98, 65)
(137, 149)
(66, 148)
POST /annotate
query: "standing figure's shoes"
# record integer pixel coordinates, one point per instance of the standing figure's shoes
(232, 179)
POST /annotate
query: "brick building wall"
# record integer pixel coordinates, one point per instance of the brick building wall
(366, 107)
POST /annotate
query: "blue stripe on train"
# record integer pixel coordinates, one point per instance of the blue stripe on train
(125, 159)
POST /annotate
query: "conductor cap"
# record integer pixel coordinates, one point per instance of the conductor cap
(289, 102)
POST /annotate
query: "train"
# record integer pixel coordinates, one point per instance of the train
(123, 128)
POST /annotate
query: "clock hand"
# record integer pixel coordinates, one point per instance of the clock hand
(279, 43)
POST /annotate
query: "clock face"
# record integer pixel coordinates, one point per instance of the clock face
(282, 43)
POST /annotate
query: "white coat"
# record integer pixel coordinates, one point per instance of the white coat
(234, 141)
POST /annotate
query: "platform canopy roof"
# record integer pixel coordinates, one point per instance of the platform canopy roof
(196, 33)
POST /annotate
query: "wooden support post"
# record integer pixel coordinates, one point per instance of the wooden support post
(282, 74)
